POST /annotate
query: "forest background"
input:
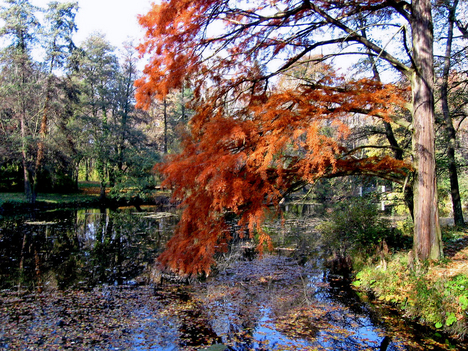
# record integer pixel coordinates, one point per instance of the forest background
(68, 111)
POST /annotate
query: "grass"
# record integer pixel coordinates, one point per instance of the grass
(19, 199)
(88, 184)
(89, 192)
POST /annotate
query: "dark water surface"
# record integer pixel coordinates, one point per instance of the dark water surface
(85, 280)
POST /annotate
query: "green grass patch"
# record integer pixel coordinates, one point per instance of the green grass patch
(12, 198)
(88, 184)
(64, 198)
(18, 199)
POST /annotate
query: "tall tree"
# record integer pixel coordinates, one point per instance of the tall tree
(131, 159)
(427, 235)
(20, 29)
(232, 72)
(97, 68)
(58, 31)
(450, 9)
(125, 106)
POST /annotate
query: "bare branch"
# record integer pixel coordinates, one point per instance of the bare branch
(407, 71)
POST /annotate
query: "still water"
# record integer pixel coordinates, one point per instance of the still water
(84, 280)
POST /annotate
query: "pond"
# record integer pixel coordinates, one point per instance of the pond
(85, 280)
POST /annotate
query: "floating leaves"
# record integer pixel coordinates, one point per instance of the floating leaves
(78, 320)
(269, 303)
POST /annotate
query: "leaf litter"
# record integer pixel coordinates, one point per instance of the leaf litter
(264, 304)
(268, 303)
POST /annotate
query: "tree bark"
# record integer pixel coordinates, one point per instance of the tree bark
(30, 196)
(427, 235)
(24, 154)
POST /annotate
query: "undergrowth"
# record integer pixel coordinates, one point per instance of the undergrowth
(432, 293)
(428, 293)
(356, 228)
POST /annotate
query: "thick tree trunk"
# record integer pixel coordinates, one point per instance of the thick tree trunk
(427, 235)
(448, 125)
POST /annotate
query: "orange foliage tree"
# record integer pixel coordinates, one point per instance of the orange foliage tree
(251, 142)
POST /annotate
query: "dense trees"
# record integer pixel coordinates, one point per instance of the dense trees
(59, 46)
(117, 142)
(36, 94)
(68, 109)
(450, 64)
(248, 134)
(97, 67)
(170, 115)
(20, 81)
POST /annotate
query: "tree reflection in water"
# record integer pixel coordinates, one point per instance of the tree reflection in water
(79, 280)
(81, 248)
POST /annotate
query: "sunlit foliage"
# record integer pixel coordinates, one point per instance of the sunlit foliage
(251, 141)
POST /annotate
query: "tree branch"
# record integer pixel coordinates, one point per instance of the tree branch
(407, 71)
(402, 7)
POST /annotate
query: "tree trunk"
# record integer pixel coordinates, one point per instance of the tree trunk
(427, 235)
(102, 193)
(24, 155)
(31, 198)
(182, 103)
(42, 135)
(448, 125)
(86, 169)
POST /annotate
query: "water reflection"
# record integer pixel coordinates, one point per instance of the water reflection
(276, 304)
(80, 248)
(76, 280)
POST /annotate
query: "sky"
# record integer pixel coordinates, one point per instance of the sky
(117, 19)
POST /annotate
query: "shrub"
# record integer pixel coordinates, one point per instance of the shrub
(357, 225)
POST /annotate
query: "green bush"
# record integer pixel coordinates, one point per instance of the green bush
(357, 225)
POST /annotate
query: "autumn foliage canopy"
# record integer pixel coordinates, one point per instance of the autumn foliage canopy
(254, 138)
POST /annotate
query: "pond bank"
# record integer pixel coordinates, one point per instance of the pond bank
(432, 293)
(16, 203)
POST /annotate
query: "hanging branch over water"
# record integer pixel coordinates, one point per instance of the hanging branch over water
(250, 139)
